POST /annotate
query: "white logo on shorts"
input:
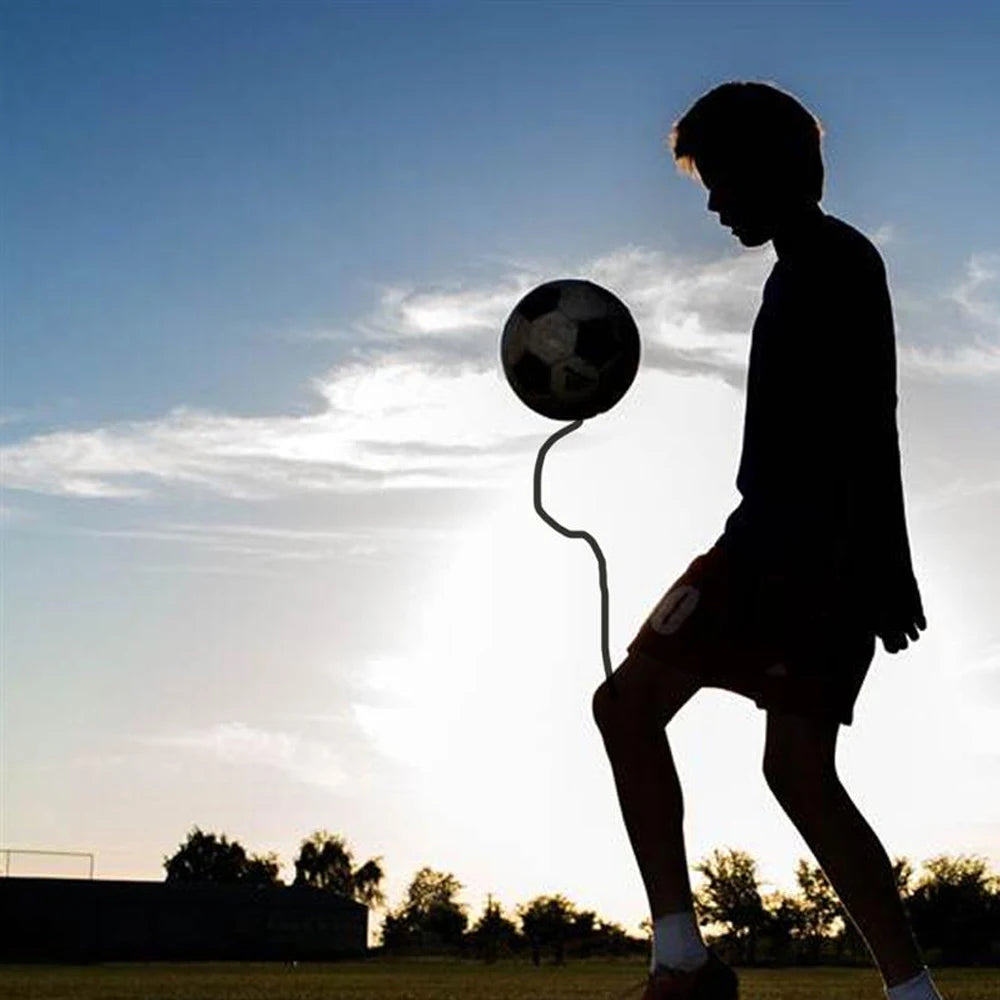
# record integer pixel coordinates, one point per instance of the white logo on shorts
(674, 609)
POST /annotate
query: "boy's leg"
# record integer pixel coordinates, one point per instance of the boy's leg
(800, 768)
(632, 721)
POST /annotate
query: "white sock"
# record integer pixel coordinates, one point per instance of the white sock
(677, 943)
(920, 987)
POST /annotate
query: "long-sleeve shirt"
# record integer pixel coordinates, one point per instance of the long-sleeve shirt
(819, 475)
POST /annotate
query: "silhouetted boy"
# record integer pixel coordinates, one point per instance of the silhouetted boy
(811, 567)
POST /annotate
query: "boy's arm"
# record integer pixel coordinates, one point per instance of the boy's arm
(892, 587)
(899, 612)
(838, 548)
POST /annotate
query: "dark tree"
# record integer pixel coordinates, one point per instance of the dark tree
(612, 939)
(262, 869)
(430, 917)
(204, 857)
(820, 907)
(326, 862)
(902, 870)
(547, 922)
(731, 896)
(493, 934)
(784, 925)
(583, 931)
(954, 908)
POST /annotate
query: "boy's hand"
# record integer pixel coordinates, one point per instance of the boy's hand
(817, 605)
(894, 633)
(904, 618)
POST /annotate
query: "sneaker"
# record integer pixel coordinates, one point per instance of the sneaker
(712, 981)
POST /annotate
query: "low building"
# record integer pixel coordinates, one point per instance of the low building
(89, 920)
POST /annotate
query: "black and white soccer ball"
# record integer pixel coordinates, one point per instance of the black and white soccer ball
(570, 349)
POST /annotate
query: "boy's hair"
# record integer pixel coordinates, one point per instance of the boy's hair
(744, 122)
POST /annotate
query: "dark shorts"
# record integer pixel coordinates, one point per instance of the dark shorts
(728, 631)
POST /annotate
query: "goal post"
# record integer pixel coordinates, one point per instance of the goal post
(9, 852)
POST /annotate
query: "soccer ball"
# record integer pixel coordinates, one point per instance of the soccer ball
(570, 349)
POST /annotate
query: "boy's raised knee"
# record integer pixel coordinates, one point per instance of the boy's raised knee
(647, 693)
(602, 704)
(612, 706)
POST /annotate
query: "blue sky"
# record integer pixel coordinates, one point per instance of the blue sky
(256, 258)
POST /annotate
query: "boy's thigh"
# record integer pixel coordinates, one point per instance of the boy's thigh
(694, 625)
(695, 636)
(708, 631)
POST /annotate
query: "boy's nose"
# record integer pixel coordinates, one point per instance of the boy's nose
(716, 203)
(715, 207)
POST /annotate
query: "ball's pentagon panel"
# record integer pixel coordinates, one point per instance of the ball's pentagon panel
(574, 379)
(597, 341)
(533, 375)
(552, 337)
(582, 300)
(543, 299)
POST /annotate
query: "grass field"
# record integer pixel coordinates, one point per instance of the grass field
(431, 979)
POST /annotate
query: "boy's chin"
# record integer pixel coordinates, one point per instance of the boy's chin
(751, 237)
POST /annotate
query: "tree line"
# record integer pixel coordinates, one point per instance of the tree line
(953, 905)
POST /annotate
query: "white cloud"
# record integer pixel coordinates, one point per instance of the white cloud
(965, 360)
(982, 270)
(685, 310)
(885, 234)
(410, 312)
(10, 515)
(954, 490)
(959, 330)
(387, 424)
(237, 743)
(261, 542)
(421, 401)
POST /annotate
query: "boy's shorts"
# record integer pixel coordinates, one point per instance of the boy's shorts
(734, 633)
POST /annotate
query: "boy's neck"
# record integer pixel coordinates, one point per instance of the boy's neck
(796, 230)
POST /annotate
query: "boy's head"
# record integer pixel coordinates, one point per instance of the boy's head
(757, 150)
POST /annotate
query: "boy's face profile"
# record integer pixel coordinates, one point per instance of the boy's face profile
(747, 201)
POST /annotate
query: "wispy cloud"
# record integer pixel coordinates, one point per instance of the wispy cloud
(885, 234)
(421, 402)
(958, 332)
(687, 311)
(237, 743)
(360, 441)
(972, 292)
(953, 490)
(11, 515)
(966, 360)
(262, 542)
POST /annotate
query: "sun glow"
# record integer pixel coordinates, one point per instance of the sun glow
(489, 707)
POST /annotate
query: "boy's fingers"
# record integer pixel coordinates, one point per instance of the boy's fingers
(894, 642)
